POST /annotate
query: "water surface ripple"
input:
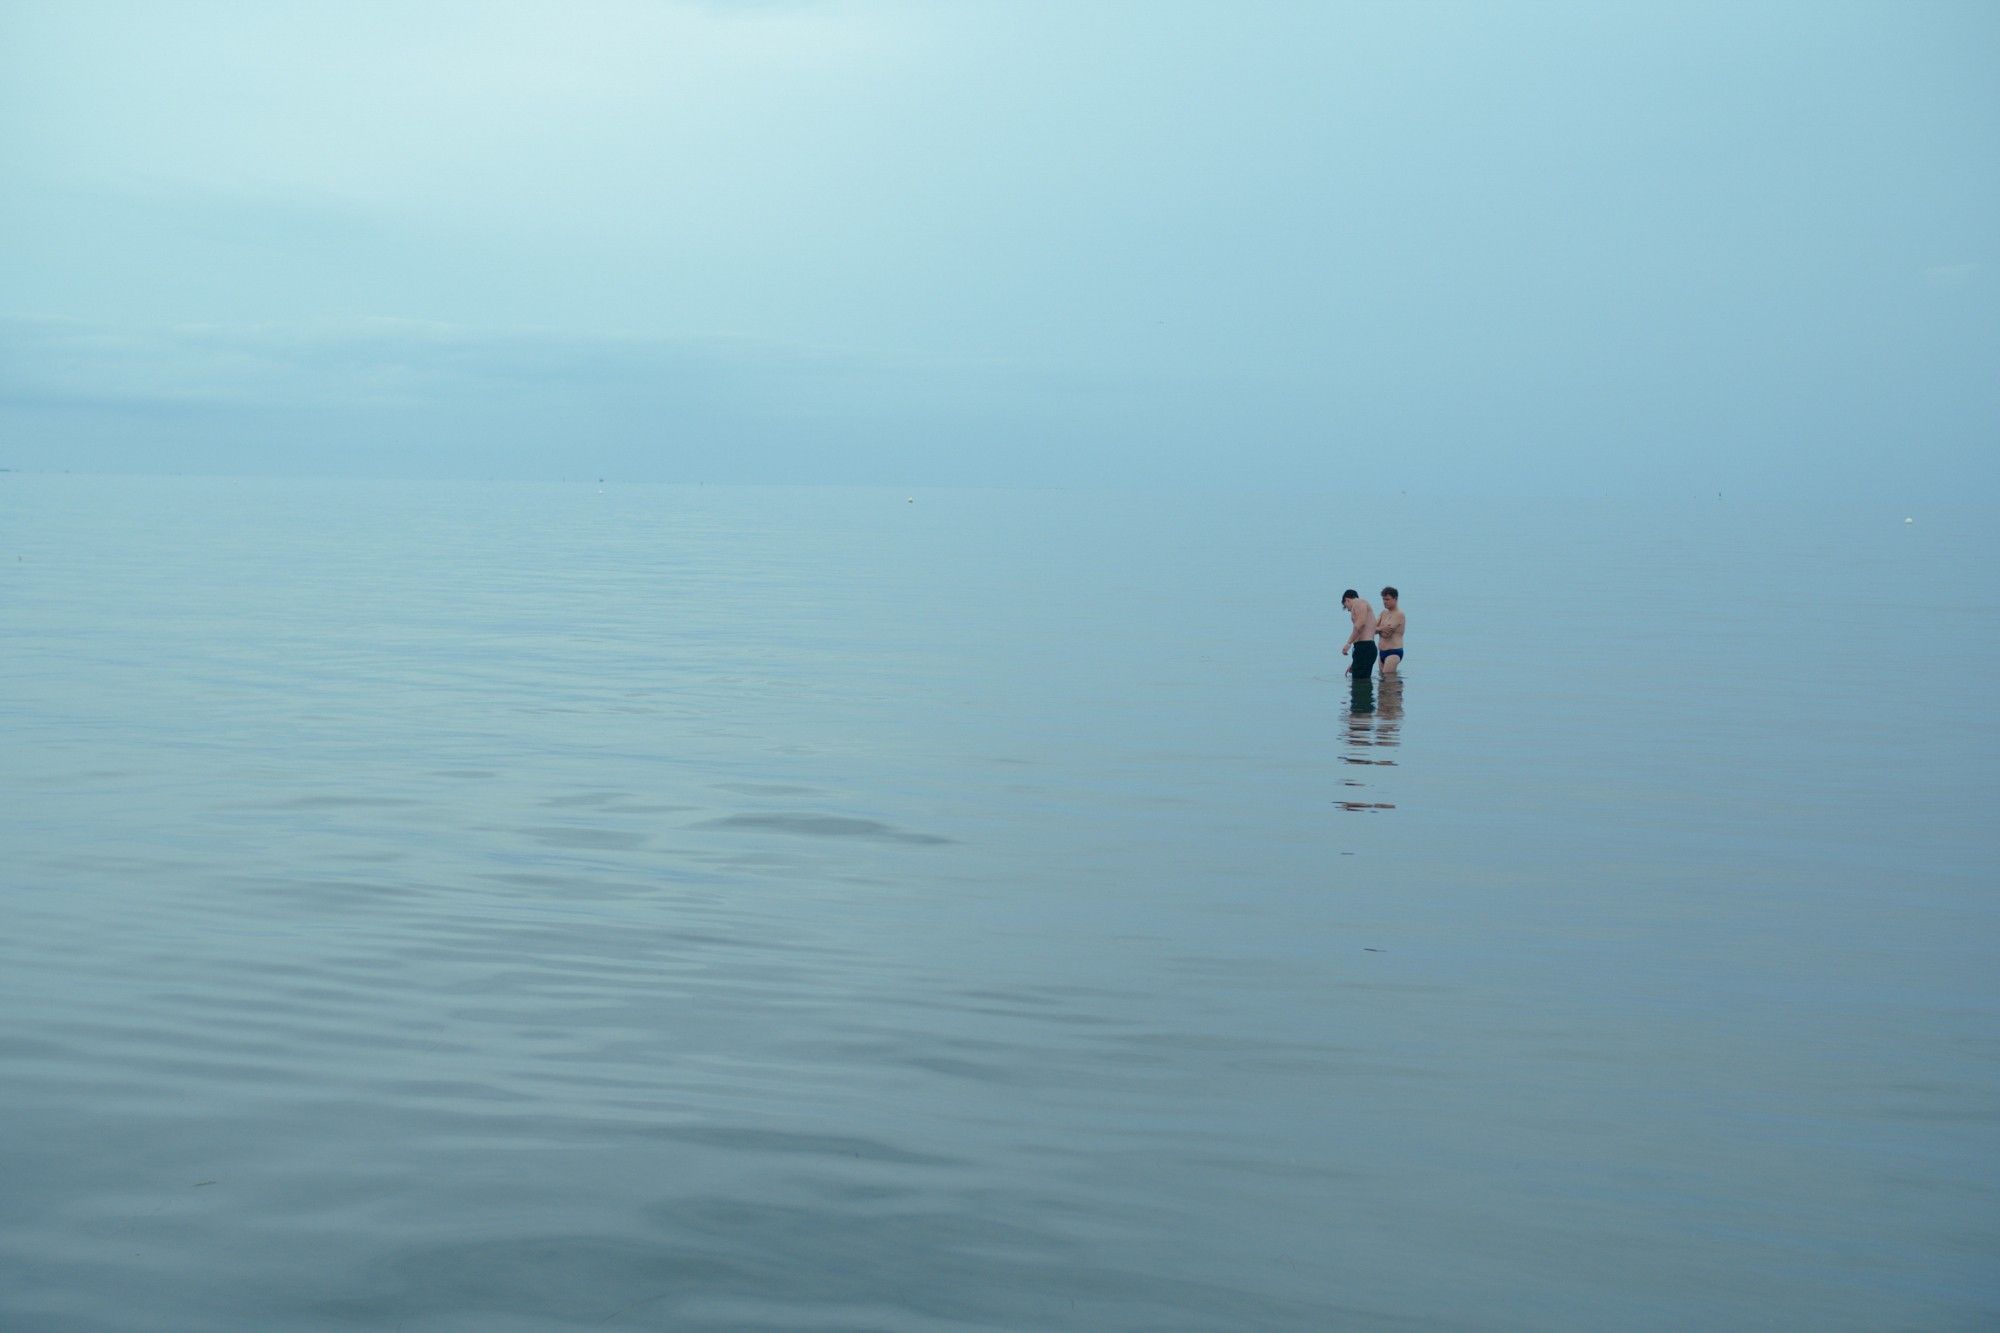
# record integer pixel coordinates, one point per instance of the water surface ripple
(485, 908)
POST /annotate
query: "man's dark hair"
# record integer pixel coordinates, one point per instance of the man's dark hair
(1349, 593)
(1390, 592)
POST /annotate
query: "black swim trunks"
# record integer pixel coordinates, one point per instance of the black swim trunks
(1364, 659)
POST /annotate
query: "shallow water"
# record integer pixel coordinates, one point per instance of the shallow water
(488, 907)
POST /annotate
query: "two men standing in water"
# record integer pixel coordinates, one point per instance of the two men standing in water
(1369, 628)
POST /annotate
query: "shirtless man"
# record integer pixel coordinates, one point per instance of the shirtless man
(1389, 633)
(1362, 640)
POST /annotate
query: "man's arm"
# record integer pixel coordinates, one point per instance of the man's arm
(1355, 637)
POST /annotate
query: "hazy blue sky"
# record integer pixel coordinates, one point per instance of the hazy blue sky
(1482, 247)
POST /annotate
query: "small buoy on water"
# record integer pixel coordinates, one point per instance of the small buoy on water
(1909, 520)
(912, 500)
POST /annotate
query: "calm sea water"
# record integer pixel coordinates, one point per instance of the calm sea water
(485, 908)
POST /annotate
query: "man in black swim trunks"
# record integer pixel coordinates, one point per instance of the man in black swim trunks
(1389, 632)
(1362, 640)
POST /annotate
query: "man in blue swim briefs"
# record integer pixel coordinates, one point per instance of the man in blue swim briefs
(1362, 640)
(1389, 631)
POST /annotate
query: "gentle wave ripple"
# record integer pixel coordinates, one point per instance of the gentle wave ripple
(531, 908)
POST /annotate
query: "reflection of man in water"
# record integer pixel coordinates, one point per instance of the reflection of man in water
(1389, 632)
(1366, 729)
(1389, 711)
(1362, 640)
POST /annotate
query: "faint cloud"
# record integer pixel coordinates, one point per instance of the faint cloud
(374, 363)
(1950, 275)
(393, 396)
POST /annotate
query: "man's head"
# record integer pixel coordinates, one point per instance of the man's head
(1348, 596)
(1389, 598)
